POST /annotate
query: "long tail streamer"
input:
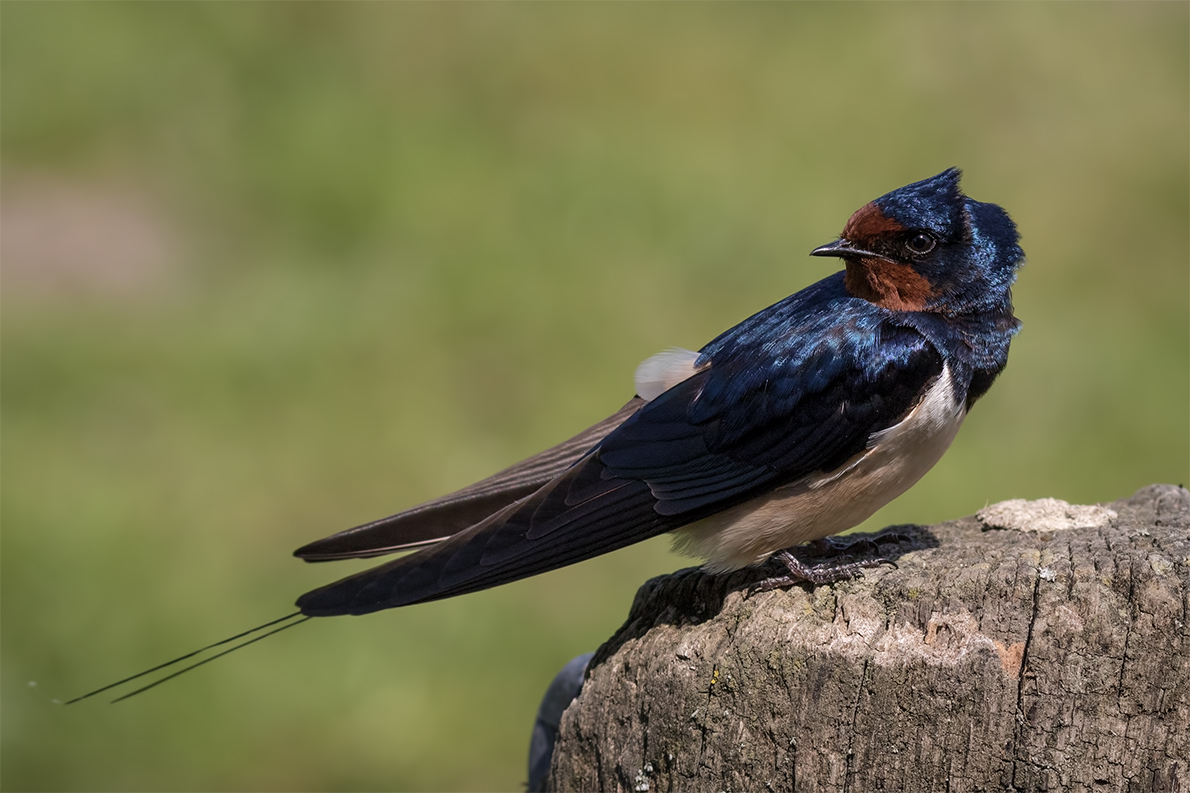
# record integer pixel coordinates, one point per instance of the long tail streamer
(289, 619)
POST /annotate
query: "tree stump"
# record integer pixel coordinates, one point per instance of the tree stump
(1036, 646)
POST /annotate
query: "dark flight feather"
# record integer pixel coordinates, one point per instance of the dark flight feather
(436, 520)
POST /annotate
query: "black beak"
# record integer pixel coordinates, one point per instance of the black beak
(843, 249)
(840, 248)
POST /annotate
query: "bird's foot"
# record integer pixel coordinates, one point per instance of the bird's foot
(829, 545)
(823, 573)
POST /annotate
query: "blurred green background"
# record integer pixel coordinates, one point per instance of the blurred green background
(272, 270)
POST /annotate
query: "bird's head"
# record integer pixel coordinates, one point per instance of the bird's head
(927, 247)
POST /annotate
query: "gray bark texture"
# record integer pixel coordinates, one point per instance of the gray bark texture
(1035, 646)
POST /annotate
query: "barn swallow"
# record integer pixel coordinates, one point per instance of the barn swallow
(796, 424)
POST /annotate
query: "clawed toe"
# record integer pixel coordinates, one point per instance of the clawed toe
(892, 536)
(833, 546)
(823, 573)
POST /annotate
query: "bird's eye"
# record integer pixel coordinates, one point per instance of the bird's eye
(921, 243)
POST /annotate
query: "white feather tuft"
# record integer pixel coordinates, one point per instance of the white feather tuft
(664, 371)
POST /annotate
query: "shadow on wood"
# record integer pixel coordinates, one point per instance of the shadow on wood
(1036, 646)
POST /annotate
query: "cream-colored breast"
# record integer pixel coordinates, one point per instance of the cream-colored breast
(823, 504)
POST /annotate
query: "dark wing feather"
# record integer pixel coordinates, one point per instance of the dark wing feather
(580, 514)
(436, 520)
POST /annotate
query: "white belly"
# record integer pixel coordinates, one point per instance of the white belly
(824, 504)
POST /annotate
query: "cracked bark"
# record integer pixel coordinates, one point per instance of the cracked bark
(1031, 650)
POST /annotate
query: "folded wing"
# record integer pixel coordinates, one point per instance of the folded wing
(436, 520)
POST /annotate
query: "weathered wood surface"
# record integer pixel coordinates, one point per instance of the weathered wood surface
(1041, 648)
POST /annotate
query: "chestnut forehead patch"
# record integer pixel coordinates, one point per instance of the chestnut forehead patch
(868, 222)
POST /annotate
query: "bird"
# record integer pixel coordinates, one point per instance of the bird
(798, 423)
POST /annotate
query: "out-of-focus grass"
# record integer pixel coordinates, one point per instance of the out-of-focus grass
(405, 245)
